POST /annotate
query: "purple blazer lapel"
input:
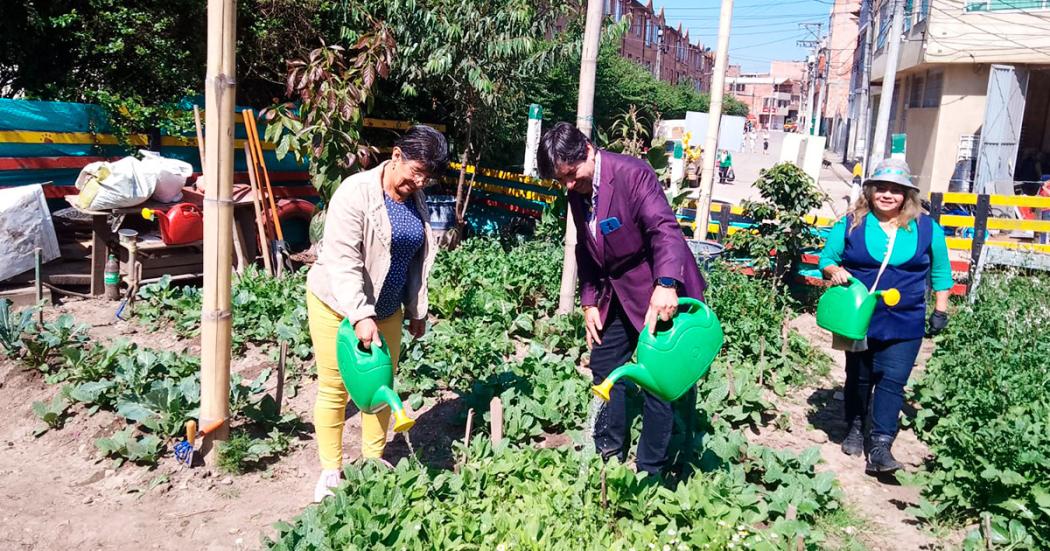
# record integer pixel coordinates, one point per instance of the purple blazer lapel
(580, 215)
(606, 191)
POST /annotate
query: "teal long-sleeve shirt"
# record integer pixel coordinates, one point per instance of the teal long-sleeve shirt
(903, 249)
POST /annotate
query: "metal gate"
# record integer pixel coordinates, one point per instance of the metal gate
(1007, 86)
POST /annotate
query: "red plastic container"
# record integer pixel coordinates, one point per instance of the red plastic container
(181, 224)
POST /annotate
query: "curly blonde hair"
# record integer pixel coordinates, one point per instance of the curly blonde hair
(911, 208)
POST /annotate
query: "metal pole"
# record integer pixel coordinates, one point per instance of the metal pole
(862, 100)
(882, 123)
(219, 93)
(714, 119)
(585, 122)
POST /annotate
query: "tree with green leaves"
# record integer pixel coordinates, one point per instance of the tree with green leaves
(475, 57)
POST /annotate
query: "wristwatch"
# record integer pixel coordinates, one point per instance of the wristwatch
(668, 282)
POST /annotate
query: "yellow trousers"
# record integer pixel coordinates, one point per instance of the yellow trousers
(330, 406)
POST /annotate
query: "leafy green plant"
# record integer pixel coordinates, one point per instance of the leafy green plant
(52, 413)
(54, 336)
(243, 453)
(12, 326)
(124, 446)
(334, 88)
(559, 504)
(985, 412)
(780, 233)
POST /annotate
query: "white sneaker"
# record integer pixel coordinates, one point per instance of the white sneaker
(330, 478)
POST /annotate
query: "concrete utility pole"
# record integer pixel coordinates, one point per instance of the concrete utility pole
(532, 139)
(585, 122)
(821, 83)
(714, 121)
(882, 123)
(216, 329)
(813, 67)
(659, 52)
(862, 98)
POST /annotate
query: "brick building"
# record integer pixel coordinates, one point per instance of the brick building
(666, 52)
(773, 97)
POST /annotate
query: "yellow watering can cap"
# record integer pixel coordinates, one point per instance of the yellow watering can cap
(402, 422)
(147, 214)
(891, 297)
(602, 390)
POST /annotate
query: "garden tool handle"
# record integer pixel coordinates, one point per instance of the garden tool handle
(211, 427)
(691, 302)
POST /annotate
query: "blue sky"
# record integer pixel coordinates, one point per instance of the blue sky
(763, 30)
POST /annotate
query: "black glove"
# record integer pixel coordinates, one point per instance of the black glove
(938, 321)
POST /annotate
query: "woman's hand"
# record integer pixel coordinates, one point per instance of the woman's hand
(593, 319)
(938, 322)
(417, 328)
(839, 276)
(367, 332)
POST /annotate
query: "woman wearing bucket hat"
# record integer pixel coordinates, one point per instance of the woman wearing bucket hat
(886, 241)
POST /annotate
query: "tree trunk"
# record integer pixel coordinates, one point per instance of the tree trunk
(462, 190)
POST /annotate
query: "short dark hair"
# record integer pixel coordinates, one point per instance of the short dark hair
(562, 144)
(425, 145)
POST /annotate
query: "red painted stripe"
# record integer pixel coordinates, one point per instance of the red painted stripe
(959, 289)
(960, 265)
(38, 163)
(810, 259)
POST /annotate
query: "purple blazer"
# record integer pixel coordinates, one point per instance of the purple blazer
(648, 245)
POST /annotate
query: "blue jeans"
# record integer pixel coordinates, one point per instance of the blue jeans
(612, 429)
(875, 382)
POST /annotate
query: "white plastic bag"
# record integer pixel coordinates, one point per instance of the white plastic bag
(25, 224)
(171, 175)
(104, 185)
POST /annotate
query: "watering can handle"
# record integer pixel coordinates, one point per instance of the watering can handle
(691, 302)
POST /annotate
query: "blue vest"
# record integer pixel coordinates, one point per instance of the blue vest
(906, 320)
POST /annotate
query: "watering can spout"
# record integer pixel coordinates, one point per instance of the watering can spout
(634, 372)
(401, 420)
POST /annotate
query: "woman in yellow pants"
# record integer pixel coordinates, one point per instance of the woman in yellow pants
(372, 268)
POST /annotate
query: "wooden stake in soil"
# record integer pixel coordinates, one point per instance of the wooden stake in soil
(466, 441)
(216, 330)
(496, 420)
(281, 362)
(241, 261)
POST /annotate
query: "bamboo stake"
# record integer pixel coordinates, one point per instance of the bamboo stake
(260, 220)
(216, 330)
(282, 361)
(241, 261)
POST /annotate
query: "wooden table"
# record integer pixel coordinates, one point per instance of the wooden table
(102, 233)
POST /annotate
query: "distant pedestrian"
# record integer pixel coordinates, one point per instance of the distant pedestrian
(765, 141)
(725, 165)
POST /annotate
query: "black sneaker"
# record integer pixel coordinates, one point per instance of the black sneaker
(880, 458)
(853, 443)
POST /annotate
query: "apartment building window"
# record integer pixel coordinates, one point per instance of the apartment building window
(909, 8)
(931, 96)
(924, 10)
(884, 25)
(915, 91)
(1002, 5)
(647, 33)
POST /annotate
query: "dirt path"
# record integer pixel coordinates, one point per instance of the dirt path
(816, 415)
(58, 493)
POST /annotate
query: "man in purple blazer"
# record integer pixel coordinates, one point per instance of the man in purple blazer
(633, 265)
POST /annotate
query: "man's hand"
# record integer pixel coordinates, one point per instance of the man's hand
(417, 328)
(367, 332)
(593, 318)
(662, 306)
(840, 277)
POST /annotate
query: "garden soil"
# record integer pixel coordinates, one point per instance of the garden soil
(58, 493)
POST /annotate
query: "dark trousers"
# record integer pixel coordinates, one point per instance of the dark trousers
(612, 429)
(722, 171)
(875, 382)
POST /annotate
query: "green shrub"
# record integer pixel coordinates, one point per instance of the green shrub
(985, 409)
(522, 498)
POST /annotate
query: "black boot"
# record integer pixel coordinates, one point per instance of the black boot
(853, 443)
(880, 458)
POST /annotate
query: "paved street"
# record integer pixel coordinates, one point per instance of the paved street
(835, 181)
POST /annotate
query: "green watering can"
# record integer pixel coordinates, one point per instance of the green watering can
(369, 375)
(846, 310)
(676, 357)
